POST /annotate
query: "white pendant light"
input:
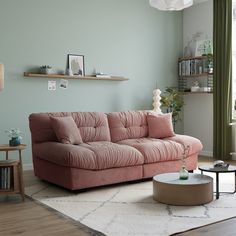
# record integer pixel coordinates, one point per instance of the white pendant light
(1, 77)
(171, 5)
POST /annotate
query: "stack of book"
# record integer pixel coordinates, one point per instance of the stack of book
(5, 176)
(192, 67)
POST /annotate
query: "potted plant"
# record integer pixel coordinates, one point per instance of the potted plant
(14, 134)
(210, 62)
(173, 101)
(46, 69)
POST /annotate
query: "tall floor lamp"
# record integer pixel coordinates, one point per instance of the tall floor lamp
(1, 77)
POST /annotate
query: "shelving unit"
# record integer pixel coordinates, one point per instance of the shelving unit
(59, 76)
(193, 69)
(11, 176)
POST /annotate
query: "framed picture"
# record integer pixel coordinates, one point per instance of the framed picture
(76, 64)
(203, 47)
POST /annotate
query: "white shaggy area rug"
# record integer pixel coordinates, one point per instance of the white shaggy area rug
(129, 209)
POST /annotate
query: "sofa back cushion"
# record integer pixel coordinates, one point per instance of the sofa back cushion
(66, 130)
(93, 126)
(160, 125)
(128, 125)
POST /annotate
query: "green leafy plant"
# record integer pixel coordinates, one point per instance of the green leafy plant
(173, 101)
(210, 62)
(13, 133)
(45, 67)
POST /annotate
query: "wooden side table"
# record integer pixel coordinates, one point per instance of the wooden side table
(217, 171)
(11, 171)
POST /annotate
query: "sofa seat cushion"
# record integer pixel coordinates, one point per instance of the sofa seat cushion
(66, 155)
(169, 149)
(110, 155)
(195, 145)
(91, 156)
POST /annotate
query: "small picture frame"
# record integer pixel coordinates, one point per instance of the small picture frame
(203, 47)
(76, 64)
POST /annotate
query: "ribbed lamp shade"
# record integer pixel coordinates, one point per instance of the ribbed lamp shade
(171, 5)
(1, 77)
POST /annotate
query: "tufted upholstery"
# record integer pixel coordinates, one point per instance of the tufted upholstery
(93, 126)
(90, 156)
(97, 161)
(128, 125)
(168, 149)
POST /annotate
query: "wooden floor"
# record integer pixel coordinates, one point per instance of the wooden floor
(32, 219)
(225, 228)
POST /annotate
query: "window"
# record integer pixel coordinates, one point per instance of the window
(234, 57)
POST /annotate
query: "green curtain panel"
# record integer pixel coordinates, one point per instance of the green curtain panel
(222, 96)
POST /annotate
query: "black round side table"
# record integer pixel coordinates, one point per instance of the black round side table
(217, 171)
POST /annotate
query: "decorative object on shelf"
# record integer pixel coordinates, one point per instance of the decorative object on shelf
(76, 64)
(170, 5)
(1, 77)
(203, 47)
(69, 72)
(183, 173)
(173, 100)
(46, 69)
(156, 100)
(14, 134)
(195, 87)
(210, 63)
(188, 50)
(102, 75)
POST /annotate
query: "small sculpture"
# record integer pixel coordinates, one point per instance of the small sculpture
(156, 100)
(196, 83)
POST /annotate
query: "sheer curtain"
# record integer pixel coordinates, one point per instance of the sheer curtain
(222, 94)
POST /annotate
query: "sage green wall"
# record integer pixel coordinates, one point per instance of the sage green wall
(120, 37)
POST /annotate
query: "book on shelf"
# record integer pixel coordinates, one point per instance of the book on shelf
(101, 75)
(192, 67)
(5, 178)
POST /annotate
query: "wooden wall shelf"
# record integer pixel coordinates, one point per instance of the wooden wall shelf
(89, 77)
(198, 75)
(197, 93)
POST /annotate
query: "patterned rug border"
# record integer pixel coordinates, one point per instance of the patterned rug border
(81, 226)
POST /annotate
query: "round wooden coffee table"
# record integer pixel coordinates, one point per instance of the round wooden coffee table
(169, 189)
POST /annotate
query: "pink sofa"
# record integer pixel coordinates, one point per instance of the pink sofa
(115, 148)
